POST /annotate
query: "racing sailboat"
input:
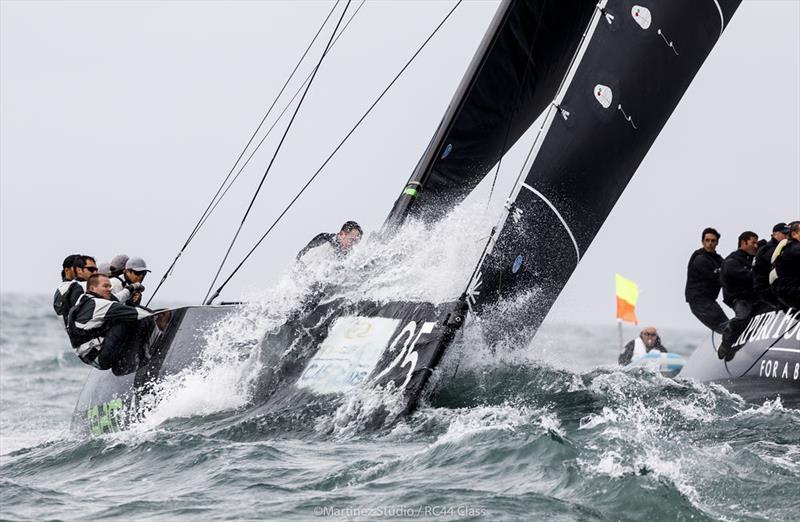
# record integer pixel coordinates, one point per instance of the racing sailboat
(605, 78)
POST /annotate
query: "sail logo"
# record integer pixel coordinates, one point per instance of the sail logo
(642, 16)
(472, 290)
(771, 325)
(358, 329)
(603, 95)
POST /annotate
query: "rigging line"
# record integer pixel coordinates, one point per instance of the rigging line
(274, 155)
(515, 109)
(330, 156)
(213, 203)
(285, 108)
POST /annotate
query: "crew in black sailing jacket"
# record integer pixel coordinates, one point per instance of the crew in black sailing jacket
(340, 244)
(67, 280)
(106, 333)
(737, 291)
(702, 282)
(787, 268)
(83, 268)
(762, 266)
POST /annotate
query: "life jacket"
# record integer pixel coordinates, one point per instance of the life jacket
(639, 348)
(773, 274)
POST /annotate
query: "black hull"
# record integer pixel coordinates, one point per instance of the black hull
(336, 347)
(766, 365)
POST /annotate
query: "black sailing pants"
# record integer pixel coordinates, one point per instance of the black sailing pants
(123, 342)
(743, 310)
(710, 314)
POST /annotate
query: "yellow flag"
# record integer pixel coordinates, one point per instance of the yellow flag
(627, 295)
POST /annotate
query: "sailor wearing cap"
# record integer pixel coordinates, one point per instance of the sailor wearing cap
(785, 276)
(762, 266)
(134, 273)
(120, 289)
(117, 282)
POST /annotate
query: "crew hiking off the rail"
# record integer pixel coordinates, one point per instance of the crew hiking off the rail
(102, 312)
(101, 304)
(757, 277)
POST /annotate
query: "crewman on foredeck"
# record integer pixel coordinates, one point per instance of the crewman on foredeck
(338, 244)
(737, 290)
(702, 282)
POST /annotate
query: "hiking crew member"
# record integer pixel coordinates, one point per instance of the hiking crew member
(785, 278)
(340, 244)
(67, 280)
(737, 291)
(117, 282)
(648, 340)
(83, 267)
(762, 267)
(105, 333)
(702, 282)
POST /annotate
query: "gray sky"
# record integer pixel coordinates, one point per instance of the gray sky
(118, 120)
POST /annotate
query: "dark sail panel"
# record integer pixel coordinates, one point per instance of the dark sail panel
(634, 66)
(513, 76)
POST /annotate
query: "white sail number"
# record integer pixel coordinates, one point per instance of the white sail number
(408, 354)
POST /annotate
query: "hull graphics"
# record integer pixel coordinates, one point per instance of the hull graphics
(342, 346)
(766, 364)
(107, 401)
(336, 348)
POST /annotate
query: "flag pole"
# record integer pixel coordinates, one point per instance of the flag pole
(619, 328)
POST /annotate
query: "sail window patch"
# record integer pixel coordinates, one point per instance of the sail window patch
(603, 95)
(447, 151)
(517, 265)
(642, 16)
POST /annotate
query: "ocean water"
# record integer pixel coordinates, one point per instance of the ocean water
(550, 431)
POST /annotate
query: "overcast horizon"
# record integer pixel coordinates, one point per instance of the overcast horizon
(119, 120)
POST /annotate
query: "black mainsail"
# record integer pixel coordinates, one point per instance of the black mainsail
(633, 67)
(513, 76)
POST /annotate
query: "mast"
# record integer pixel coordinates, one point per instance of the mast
(512, 77)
